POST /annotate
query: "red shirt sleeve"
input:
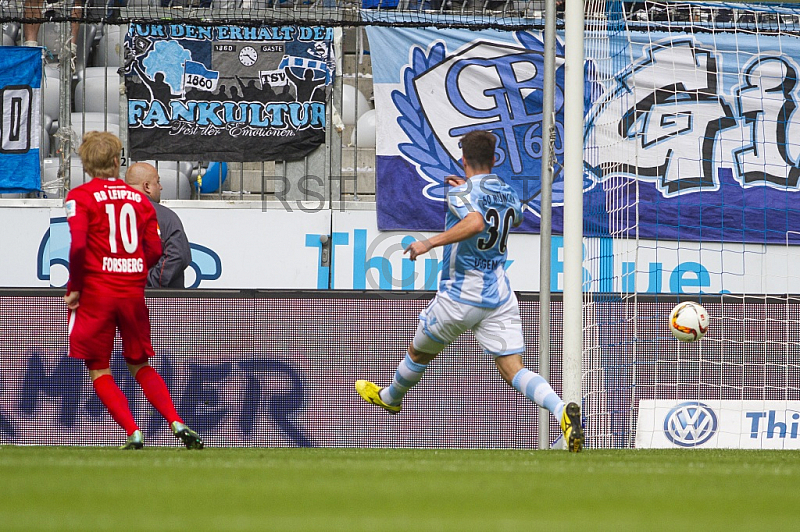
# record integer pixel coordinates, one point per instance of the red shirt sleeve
(78, 218)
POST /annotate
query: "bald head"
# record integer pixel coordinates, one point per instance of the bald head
(144, 178)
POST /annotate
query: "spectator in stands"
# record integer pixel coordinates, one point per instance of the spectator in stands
(114, 241)
(115, 5)
(474, 291)
(43, 9)
(168, 271)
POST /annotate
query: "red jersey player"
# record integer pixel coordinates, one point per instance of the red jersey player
(114, 242)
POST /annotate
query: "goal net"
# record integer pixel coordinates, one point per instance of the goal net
(691, 165)
(474, 14)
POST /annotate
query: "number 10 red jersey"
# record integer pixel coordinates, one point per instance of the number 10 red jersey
(114, 238)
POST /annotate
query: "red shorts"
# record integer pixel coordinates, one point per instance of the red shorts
(93, 326)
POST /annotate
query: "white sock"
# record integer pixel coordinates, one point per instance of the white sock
(407, 375)
(534, 387)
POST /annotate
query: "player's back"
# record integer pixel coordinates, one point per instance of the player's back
(476, 275)
(122, 240)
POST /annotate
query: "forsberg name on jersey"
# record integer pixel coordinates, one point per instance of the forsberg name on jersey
(111, 264)
(117, 194)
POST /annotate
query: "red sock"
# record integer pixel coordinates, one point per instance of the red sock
(157, 393)
(116, 402)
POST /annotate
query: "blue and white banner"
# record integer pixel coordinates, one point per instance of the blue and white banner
(707, 122)
(431, 87)
(197, 76)
(20, 118)
(227, 93)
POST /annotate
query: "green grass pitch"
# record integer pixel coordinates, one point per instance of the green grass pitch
(71, 488)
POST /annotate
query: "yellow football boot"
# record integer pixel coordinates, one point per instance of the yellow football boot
(572, 428)
(371, 393)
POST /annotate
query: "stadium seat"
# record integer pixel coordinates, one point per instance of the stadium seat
(175, 178)
(366, 131)
(47, 130)
(185, 167)
(94, 117)
(44, 144)
(50, 180)
(81, 127)
(8, 40)
(352, 97)
(50, 35)
(86, 39)
(11, 29)
(98, 95)
(97, 72)
(107, 52)
(50, 91)
(213, 178)
(175, 184)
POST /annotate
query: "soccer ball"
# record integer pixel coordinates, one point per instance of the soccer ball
(688, 321)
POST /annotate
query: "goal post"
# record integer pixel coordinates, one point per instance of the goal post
(573, 198)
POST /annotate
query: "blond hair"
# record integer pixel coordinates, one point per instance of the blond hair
(99, 153)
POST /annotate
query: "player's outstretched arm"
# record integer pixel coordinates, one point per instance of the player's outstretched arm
(471, 225)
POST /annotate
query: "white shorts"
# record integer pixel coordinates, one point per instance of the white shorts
(498, 330)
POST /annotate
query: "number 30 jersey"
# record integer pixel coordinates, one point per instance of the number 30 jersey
(115, 238)
(473, 270)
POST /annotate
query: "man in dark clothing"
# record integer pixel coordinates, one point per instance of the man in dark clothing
(168, 272)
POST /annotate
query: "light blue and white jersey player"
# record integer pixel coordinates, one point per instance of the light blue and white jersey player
(474, 292)
(474, 269)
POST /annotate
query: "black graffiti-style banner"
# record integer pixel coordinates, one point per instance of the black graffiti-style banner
(228, 93)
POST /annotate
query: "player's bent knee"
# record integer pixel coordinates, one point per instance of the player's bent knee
(97, 368)
(508, 366)
(423, 346)
(141, 360)
(97, 365)
(420, 357)
(135, 365)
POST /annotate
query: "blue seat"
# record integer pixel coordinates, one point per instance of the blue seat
(213, 178)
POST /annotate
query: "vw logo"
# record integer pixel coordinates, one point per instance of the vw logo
(690, 424)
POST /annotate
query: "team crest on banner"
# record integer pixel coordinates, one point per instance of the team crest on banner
(705, 125)
(448, 83)
(228, 93)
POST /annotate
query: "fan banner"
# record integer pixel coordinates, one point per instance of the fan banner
(20, 112)
(695, 119)
(227, 93)
(434, 85)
